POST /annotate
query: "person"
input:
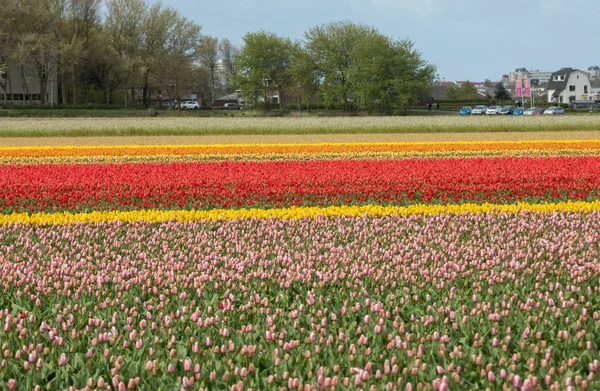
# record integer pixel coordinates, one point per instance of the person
(437, 105)
(430, 106)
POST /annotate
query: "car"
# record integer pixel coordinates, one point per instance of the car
(190, 105)
(479, 110)
(232, 106)
(519, 111)
(493, 110)
(554, 110)
(507, 110)
(465, 110)
(533, 111)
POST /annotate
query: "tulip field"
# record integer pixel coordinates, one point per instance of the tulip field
(397, 266)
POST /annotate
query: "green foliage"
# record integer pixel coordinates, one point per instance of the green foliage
(388, 75)
(331, 47)
(264, 65)
(501, 93)
(466, 90)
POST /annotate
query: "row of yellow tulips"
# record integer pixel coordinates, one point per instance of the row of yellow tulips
(292, 213)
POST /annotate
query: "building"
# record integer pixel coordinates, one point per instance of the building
(518, 74)
(231, 98)
(20, 85)
(543, 77)
(594, 72)
(568, 85)
(594, 94)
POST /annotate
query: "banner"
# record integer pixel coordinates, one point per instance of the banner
(527, 87)
(518, 89)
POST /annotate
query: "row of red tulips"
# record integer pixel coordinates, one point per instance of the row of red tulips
(237, 184)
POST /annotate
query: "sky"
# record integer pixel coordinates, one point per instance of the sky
(466, 39)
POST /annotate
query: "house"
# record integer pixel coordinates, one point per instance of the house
(231, 98)
(568, 85)
(594, 94)
(19, 84)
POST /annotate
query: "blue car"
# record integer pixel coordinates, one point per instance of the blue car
(466, 110)
(519, 111)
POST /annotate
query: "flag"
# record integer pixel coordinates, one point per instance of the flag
(518, 89)
(527, 87)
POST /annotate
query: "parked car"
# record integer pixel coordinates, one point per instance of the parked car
(228, 106)
(479, 110)
(507, 110)
(519, 111)
(534, 111)
(554, 110)
(493, 110)
(190, 105)
(465, 110)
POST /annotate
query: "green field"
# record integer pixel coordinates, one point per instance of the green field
(67, 127)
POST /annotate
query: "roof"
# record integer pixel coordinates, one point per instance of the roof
(556, 93)
(233, 96)
(562, 84)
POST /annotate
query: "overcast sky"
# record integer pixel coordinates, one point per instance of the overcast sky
(465, 39)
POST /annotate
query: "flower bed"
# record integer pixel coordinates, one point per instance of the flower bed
(113, 276)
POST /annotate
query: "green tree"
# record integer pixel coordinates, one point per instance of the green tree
(263, 65)
(501, 93)
(331, 47)
(305, 84)
(388, 74)
(465, 90)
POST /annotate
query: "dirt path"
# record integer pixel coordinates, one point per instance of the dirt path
(293, 139)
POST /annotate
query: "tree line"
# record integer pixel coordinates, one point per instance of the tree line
(135, 50)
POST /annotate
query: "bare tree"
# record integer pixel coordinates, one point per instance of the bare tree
(208, 55)
(228, 53)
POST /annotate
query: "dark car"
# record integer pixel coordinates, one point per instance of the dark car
(507, 110)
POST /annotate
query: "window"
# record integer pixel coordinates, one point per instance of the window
(585, 89)
(571, 88)
(17, 97)
(2, 97)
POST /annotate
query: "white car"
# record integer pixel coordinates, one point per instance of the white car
(190, 105)
(479, 110)
(554, 110)
(493, 110)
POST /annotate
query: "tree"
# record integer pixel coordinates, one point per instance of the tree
(263, 65)
(388, 74)
(331, 47)
(79, 48)
(465, 90)
(124, 25)
(208, 55)
(501, 93)
(305, 83)
(488, 83)
(147, 38)
(37, 40)
(227, 53)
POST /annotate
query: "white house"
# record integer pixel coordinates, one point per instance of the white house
(568, 85)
